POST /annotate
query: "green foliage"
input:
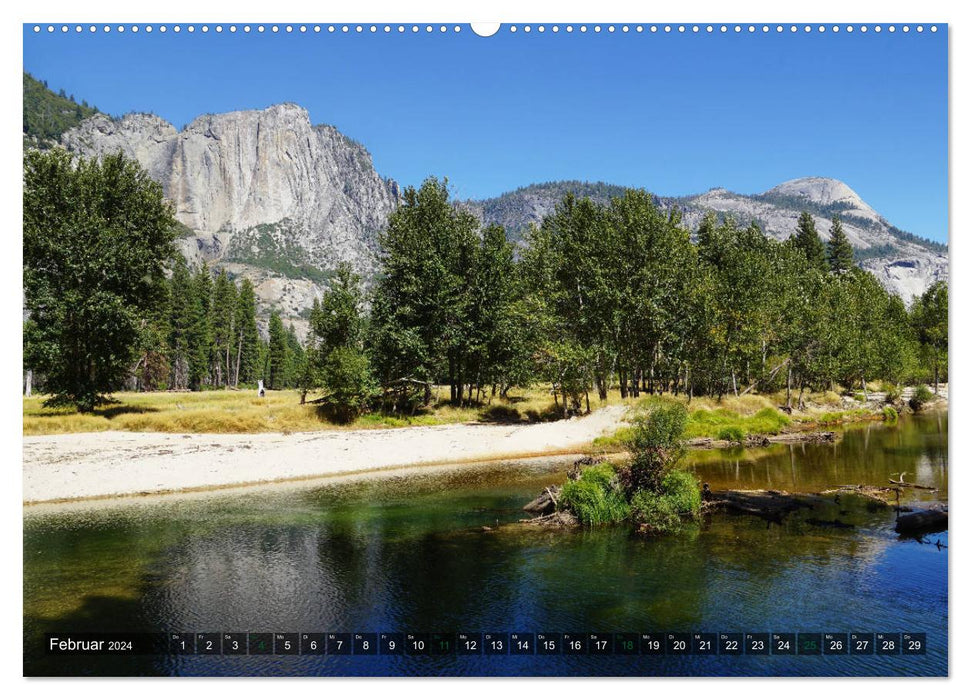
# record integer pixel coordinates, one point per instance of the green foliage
(929, 319)
(656, 447)
(514, 210)
(839, 252)
(48, 115)
(656, 512)
(346, 374)
(596, 497)
(443, 305)
(278, 371)
(808, 242)
(247, 336)
(337, 355)
(890, 414)
(665, 511)
(724, 424)
(683, 490)
(273, 247)
(893, 393)
(97, 234)
(922, 395)
(731, 433)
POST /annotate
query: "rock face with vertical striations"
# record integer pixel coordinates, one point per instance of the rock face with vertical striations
(265, 193)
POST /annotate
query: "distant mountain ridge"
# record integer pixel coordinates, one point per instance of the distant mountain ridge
(906, 264)
(267, 195)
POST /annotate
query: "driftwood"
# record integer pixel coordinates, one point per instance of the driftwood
(556, 520)
(769, 505)
(879, 495)
(899, 481)
(922, 522)
(545, 503)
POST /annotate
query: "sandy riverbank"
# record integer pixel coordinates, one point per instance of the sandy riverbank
(93, 465)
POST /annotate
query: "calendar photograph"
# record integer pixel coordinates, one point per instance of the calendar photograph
(544, 349)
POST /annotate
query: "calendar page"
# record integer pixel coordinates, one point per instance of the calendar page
(522, 349)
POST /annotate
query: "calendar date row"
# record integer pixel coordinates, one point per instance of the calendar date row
(496, 643)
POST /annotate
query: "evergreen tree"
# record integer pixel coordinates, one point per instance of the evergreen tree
(247, 367)
(181, 305)
(839, 251)
(296, 359)
(200, 329)
(278, 356)
(223, 324)
(808, 241)
(96, 237)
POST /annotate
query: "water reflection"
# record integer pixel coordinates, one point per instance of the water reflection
(410, 554)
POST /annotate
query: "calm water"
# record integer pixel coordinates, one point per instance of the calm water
(408, 554)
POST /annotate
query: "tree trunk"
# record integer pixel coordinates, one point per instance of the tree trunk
(28, 381)
(789, 388)
(239, 354)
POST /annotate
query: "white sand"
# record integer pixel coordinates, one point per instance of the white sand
(90, 465)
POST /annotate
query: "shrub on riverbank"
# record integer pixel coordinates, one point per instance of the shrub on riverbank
(890, 414)
(732, 434)
(922, 395)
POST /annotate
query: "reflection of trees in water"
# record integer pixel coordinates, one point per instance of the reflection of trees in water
(403, 555)
(867, 454)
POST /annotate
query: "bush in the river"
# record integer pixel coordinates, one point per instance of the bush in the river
(889, 414)
(656, 445)
(681, 488)
(656, 512)
(731, 433)
(921, 396)
(651, 487)
(679, 500)
(596, 497)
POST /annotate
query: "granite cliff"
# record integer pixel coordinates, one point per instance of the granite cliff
(264, 193)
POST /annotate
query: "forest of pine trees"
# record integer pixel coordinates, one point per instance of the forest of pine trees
(203, 334)
(602, 295)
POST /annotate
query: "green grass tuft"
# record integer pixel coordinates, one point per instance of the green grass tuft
(595, 498)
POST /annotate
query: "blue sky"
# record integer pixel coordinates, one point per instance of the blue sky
(674, 113)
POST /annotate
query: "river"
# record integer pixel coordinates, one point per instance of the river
(420, 553)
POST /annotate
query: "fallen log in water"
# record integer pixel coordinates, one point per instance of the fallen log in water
(545, 503)
(770, 505)
(908, 485)
(878, 495)
(922, 522)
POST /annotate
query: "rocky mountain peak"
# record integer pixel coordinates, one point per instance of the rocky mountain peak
(826, 192)
(266, 193)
